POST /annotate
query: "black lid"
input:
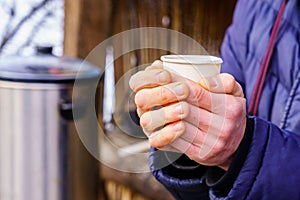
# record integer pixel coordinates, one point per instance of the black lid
(46, 68)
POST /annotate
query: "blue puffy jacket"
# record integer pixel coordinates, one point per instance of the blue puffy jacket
(267, 163)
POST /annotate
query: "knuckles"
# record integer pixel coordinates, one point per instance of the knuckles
(235, 107)
(220, 146)
(230, 83)
(145, 120)
(169, 114)
(134, 80)
(164, 94)
(185, 109)
(166, 136)
(161, 140)
(140, 99)
(198, 94)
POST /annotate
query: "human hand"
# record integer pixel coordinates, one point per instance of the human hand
(205, 124)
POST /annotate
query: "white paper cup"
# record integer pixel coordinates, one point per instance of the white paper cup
(193, 67)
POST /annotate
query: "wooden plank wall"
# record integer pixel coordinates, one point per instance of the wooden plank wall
(88, 22)
(203, 20)
(86, 25)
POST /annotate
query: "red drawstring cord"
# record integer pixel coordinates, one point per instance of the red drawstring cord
(253, 106)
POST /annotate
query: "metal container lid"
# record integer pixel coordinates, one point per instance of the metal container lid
(45, 69)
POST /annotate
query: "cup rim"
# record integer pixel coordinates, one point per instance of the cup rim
(192, 59)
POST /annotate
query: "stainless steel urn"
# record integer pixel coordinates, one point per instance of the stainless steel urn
(37, 99)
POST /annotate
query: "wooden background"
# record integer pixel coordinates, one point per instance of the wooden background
(88, 23)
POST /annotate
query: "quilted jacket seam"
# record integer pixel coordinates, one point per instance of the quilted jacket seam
(290, 101)
(284, 19)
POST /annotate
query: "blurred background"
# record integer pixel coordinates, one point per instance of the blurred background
(27, 24)
(73, 28)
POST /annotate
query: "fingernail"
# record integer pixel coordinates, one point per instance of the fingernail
(156, 63)
(178, 109)
(203, 83)
(208, 83)
(162, 77)
(179, 89)
(177, 127)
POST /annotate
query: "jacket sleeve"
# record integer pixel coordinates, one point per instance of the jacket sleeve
(183, 177)
(272, 166)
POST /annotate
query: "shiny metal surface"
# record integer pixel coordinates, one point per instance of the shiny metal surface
(44, 68)
(33, 141)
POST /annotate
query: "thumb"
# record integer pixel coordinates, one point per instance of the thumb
(223, 83)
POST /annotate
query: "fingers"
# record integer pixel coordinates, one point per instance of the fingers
(166, 135)
(148, 79)
(200, 97)
(152, 120)
(190, 133)
(223, 83)
(192, 151)
(140, 111)
(192, 93)
(196, 116)
(186, 139)
(154, 87)
(162, 95)
(189, 91)
(152, 76)
(207, 148)
(155, 65)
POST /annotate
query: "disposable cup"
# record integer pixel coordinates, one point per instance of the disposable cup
(193, 67)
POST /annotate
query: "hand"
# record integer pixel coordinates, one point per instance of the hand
(205, 122)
